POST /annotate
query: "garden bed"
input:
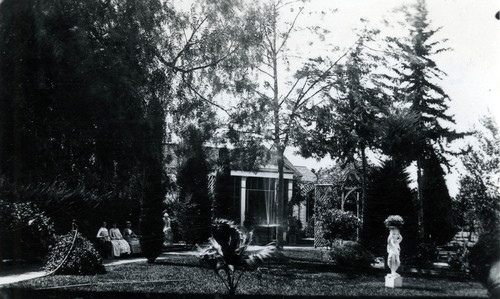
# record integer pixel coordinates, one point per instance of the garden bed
(296, 274)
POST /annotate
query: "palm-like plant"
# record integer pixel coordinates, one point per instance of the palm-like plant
(227, 253)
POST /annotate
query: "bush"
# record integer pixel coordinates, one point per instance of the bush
(460, 260)
(82, 260)
(484, 254)
(350, 254)
(337, 224)
(309, 229)
(425, 255)
(25, 232)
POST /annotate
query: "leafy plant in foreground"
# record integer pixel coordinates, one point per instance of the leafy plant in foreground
(82, 258)
(227, 253)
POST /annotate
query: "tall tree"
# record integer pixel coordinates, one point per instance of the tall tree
(439, 226)
(224, 206)
(416, 79)
(346, 126)
(83, 72)
(192, 179)
(478, 199)
(281, 91)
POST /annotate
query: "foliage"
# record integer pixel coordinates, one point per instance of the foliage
(439, 226)
(56, 121)
(477, 205)
(83, 259)
(394, 220)
(154, 185)
(424, 255)
(25, 231)
(337, 224)
(192, 180)
(350, 254)
(389, 194)
(227, 253)
(398, 135)
(309, 228)
(417, 75)
(65, 204)
(416, 84)
(483, 255)
(223, 205)
(459, 260)
(270, 112)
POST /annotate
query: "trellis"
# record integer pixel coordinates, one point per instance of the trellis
(322, 193)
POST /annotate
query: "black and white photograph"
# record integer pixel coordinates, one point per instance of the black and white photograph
(249, 149)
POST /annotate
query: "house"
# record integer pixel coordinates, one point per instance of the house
(253, 192)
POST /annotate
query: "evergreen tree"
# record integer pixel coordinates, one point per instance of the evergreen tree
(389, 194)
(416, 85)
(224, 206)
(154, 184)
(192, 180)
(347, 125)
(74, 85)
(438, 213)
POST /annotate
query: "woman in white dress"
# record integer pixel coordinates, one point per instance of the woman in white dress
(132, 239)
(120, 246)
(104, 241)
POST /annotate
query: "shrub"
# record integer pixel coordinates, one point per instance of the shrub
(425, 255)
(25, 232)
(82, 260)
(483, 255)
(350, 254)
(337, 224)
(309, 229)
(227, 255)
(460, 260)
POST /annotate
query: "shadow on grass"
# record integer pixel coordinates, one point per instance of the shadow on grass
(55, 294)
(434, 290)
(177, 263)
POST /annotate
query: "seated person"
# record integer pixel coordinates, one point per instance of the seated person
(104, 241)
(120, 246)
(132, 239)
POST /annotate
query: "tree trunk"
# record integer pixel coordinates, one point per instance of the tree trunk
(280, 198)
(363, 185)
(277, 141)
(420, 205)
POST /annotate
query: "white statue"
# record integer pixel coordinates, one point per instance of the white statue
(167, 230)
(394, 250)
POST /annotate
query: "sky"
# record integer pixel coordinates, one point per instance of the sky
(472, 67)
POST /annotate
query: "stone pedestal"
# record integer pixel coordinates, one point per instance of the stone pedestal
(392, 281)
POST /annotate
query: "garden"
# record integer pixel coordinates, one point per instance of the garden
(147, 146)
(296, 273)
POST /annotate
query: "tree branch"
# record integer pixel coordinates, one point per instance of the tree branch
(287, 35)
(204, 98)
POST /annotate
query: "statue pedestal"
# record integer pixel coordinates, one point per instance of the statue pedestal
(392, 281)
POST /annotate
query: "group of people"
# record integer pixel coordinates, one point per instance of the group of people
(114, 244)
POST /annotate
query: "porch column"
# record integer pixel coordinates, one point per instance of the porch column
(243, 199)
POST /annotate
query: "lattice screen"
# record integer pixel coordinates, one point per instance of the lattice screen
(322, 194)
(211, 186)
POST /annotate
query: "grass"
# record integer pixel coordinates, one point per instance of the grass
(300, 273)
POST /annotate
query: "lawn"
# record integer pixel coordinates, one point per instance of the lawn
(298, 274)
